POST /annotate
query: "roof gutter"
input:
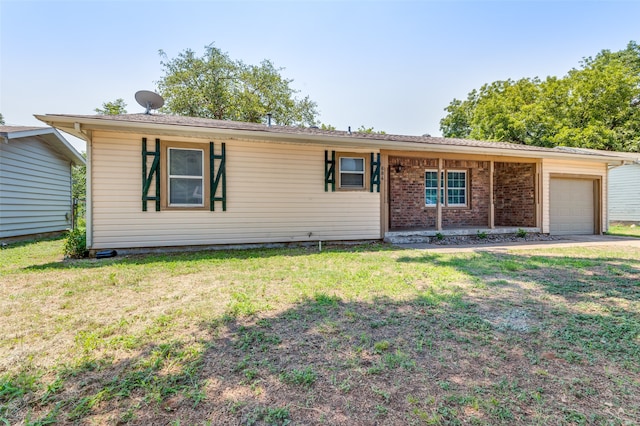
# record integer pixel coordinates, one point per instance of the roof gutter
(81, 128)
(53, 137)
(28, 133)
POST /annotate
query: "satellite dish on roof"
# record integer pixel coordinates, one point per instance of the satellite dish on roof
(149, 100)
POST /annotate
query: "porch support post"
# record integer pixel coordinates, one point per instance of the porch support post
(438, 198)
(385, 189)
(492, 224)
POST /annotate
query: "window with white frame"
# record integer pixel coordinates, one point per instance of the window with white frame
(454, 186)
(431, 187)
(186, 177)
(352, 172)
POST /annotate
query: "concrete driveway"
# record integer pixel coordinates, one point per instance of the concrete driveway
(566, 241)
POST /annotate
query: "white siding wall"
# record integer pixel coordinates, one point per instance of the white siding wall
(578, 168)
(35, 188)
(275, 193)
(624, 193)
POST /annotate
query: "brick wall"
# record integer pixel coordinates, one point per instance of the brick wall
(514, 194)
(406, 195)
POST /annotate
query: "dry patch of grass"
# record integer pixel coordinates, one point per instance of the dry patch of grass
(360, 335)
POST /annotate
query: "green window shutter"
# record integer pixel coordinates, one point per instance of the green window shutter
(329, 171)
(148, 176)
(375, 173)
(217, 180)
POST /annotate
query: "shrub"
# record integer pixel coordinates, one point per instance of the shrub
(521, 233)
(76, 245)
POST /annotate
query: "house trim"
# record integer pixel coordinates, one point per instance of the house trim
(78, 125)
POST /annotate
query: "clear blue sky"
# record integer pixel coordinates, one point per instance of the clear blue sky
(393, 65)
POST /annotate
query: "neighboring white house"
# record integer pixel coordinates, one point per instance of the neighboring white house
(624, 193)
(35, 181)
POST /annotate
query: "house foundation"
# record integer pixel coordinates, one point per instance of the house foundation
(412, 236)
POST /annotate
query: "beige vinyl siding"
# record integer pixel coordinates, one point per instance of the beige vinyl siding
(573, 169)
(35, 188)
(624, 193)
(275, 193)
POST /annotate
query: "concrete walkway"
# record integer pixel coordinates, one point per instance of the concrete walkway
(566, 241)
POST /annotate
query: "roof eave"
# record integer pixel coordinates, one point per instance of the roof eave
(65, 148)
(28, 133)
(77, 126)
(54, 139)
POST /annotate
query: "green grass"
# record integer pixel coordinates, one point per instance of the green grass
(624, 230)
(303, 377)
(359, 335)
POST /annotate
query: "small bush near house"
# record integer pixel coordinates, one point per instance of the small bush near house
(521, 233)
(75, 246)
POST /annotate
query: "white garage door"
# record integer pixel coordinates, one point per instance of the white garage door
(572, 209)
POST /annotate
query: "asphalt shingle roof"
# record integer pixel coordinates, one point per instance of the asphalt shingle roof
(207, 123)
(15, 129)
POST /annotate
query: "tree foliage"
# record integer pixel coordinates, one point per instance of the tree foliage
(1, 119)
(79, 189)
(216, 86)
(593, 106)
(79, 180)
(363, 129)
(113, 108)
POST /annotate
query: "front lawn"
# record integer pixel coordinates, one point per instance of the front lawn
(357, 335)
(624, 230)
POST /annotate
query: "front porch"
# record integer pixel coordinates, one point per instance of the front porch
(415, 235)
(431, 195)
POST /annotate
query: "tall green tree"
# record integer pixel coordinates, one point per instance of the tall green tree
(79, 180)
(216, 86)
(113, 108)
(79, 190)
(1, 119)
(592, 106)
